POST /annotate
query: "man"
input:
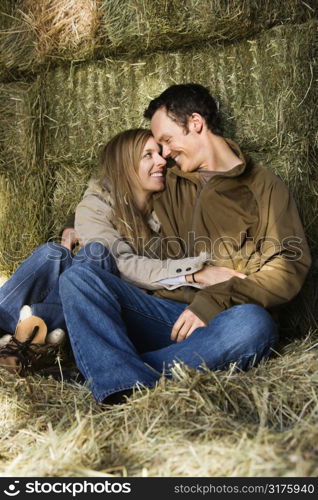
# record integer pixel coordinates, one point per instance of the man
(241, 213)
(244, 210)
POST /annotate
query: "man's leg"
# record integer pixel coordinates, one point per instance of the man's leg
(31, 283)
(111, 323)
(243, 334)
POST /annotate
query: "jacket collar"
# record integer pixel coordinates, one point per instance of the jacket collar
(234, 172)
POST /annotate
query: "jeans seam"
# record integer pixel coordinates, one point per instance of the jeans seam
(82, 359)
(245, 356)
(148, 315)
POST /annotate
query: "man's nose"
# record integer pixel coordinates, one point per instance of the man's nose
(166, 152)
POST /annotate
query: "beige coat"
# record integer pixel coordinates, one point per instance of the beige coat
(93, 222)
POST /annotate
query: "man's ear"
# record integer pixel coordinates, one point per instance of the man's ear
(196, 123)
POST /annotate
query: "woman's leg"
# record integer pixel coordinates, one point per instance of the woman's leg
(33, 282)
(50, 307)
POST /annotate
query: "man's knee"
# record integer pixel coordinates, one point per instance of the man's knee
(72, 277)
(260, 330)
(250, 324)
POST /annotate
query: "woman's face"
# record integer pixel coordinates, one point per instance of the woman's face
(152, 168)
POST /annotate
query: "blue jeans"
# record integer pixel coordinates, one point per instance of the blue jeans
(120, 335)
(36, 283)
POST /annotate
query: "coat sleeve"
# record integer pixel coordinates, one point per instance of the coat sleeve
(285, 260)
(93, 223)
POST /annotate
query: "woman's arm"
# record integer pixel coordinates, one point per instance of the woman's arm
(93, 223)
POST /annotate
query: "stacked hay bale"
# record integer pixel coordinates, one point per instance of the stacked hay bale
(91, 66)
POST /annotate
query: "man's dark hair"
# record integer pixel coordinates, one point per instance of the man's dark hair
(180, 101)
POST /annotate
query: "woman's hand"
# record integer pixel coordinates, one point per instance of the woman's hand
(212, 275)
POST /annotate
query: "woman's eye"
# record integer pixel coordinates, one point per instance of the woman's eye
(148, 155)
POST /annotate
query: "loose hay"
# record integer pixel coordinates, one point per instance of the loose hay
(259, 423)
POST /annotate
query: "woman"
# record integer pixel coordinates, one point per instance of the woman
(115, 213)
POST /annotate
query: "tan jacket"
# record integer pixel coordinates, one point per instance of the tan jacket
(93, 222)
(248, 220)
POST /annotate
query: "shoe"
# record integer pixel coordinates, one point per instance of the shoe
(118, 398)
(27, 351)
(56, 336)
(5, 339)
(25, 346)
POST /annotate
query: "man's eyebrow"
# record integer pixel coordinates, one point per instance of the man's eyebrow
(164, 137)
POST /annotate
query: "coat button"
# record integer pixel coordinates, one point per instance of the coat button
(188, 269)
(178, 270)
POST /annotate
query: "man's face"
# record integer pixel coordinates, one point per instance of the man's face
(177, 143)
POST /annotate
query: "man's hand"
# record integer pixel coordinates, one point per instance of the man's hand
(212, 275)
(185, 325)
(70, 238)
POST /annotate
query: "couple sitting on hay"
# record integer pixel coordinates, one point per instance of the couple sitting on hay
(179, 264)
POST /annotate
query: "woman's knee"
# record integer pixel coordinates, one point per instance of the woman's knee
(52, 251)
(97, 254)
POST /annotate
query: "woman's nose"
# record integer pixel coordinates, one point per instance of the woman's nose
(160, 161)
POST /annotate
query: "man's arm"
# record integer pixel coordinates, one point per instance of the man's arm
(285, 262)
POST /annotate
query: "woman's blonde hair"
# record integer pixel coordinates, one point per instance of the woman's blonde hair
(120, 159)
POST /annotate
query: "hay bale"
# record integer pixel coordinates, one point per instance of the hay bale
(142, 26)
(70, 183)
(57, 30)
(47, 30)
(24, 218)
(20, 118)
(88, 103)
(6, 19)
